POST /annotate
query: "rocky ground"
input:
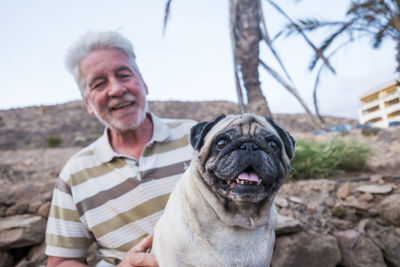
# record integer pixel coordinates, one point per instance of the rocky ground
(342, 221)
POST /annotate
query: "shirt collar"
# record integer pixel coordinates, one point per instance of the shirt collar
(105, 153)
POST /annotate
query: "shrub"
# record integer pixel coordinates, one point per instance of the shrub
(324, 159)
(53, 141)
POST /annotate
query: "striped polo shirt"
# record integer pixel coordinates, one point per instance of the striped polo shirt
(112, 199)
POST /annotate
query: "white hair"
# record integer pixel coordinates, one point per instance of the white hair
(92, 41)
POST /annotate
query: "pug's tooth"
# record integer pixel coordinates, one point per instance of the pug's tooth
(228, 182)
(237, 180)
(259, 182)
(242, 182)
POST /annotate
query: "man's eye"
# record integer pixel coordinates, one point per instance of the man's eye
(97, 85)
(124, 76)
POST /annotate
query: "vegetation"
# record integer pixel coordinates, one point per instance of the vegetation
(325, 159)
(53, 141)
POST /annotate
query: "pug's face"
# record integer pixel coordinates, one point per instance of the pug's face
(244, 158)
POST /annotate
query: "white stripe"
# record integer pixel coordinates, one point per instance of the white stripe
(101, 183)
(141, 194)
(78, 164)
(167, 158)
(65, 252)
(130, 231)
(63, 200)
(64, 228)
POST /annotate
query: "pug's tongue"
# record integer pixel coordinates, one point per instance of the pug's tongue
(252, 177)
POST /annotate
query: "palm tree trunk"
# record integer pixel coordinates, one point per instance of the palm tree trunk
(246, 35)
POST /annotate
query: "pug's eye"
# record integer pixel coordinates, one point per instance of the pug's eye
(221, 143)
(273, 145)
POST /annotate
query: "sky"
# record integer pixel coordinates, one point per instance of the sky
(192, 62)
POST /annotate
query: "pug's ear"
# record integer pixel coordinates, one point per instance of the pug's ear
(199, 131)
(287, 139)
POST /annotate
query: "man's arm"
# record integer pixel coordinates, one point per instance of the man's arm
(65, 262)
(138, 255)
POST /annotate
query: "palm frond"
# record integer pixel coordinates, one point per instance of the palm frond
(380, 36)
(291, 89)
(316, 50)
(265, 35)
(328, 41)
(166, 15)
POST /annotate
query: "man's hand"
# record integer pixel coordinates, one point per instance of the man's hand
(138, 256)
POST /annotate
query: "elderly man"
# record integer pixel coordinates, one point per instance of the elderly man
(113, 191)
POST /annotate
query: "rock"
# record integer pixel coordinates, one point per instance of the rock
(19, 208)
(281, 202)
(330, 202)
(286, 225)
(21, 231)
(389, 242)
(376, 178)
(358, 251)
(297, 200)
(23, 193)
(375, 189)
(3, 210)
(23, 263)
(356, 204)
(318, 185)
(36, 255)
(343, 191)
(34, 206)
(373, 212)
(44, 209)
(368, 131)
(306, 249)
(367, 197)
(389, 209)
(6, 259)
(340, 224)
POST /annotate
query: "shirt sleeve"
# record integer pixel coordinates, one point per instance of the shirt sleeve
(66, 235)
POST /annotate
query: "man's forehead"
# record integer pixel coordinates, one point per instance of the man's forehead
(101, 62)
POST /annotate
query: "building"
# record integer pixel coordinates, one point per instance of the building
(381, 105)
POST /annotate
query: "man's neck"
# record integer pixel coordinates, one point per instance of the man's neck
(132, 143)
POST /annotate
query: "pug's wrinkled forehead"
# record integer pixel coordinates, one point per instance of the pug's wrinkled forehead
(246, 124)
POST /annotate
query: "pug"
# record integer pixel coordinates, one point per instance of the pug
(221, 211)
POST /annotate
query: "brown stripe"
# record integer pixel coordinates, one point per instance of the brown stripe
(157, 148)
(128, 185)
(157, 173)
(67, 242)
(104, 196)
(139, 212)
(127, 246)
(86, 174)
(85, 153)
(63, 186)
(64, 214)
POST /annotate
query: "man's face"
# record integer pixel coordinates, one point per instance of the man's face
(114, 91)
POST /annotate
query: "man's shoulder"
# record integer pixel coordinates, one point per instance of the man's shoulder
(178, 124)
(84, 158)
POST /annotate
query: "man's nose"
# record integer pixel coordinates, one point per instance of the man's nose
(116, 88)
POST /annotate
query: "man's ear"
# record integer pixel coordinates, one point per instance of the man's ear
(88, 106)
(287, 139)
(199, 131)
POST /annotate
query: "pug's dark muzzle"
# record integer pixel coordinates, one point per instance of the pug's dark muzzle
(248, 169)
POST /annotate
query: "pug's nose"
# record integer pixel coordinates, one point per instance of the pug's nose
(249, 146)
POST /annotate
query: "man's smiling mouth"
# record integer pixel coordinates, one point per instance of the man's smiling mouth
(123, 105)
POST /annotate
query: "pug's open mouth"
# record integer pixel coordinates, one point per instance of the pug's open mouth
(246, 185)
